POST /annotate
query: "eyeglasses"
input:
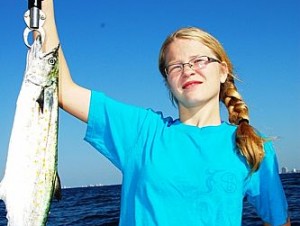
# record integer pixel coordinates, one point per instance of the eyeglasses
(196, 63)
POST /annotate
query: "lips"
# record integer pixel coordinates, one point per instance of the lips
(190, 84)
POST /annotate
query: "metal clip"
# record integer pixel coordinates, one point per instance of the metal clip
(34, 19)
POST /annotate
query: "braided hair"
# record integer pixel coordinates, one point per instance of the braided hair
(248, 141)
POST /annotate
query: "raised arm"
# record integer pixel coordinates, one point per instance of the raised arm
(72, 97)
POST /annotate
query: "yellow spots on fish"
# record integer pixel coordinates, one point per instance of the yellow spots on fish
(44, 148)
(38, 173)
(44, 163)
(41, 183)
(36, 204)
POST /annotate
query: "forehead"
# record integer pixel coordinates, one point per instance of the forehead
(185, 49)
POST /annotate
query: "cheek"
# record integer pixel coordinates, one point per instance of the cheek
(213, 82)
(216, 76)
(172, 84)
(174, 89)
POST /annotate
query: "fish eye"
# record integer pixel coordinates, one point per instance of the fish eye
(52, 60)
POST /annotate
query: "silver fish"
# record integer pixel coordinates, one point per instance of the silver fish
(30, 175)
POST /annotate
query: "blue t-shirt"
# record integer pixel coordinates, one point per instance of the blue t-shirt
(176, 174)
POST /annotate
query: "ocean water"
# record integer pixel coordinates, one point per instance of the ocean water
(101, 206)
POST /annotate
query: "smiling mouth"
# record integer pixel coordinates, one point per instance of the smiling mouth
(190, 84)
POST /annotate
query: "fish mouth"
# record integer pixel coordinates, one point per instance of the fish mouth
(190, 84)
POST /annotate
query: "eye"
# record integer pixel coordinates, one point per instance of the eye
(52, 60)
(200, 62)
(175, 68)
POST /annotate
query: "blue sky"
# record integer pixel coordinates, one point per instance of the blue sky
(112, 46)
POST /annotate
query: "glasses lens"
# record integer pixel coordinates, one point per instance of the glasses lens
(200, 62)
(174, 69)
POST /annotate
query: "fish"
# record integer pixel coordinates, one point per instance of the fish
(31, 179)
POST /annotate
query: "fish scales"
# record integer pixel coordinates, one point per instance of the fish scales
(31, 167)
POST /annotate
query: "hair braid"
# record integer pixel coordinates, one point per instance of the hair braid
(247, 139)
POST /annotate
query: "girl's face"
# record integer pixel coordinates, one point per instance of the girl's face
(194, 87)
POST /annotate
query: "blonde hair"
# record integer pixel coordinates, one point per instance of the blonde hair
(248, 141)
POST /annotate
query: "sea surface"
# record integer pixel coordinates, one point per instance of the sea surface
(101, 205)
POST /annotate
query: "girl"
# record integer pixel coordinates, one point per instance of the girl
(195, 170)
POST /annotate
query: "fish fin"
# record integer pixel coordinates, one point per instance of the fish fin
(40, 100)
(57, 188)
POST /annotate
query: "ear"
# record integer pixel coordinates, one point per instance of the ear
(223, 71)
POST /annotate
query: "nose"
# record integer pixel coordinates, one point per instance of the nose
(190, 70)
(189, 64)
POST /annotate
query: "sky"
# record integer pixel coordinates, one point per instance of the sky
(112, 46)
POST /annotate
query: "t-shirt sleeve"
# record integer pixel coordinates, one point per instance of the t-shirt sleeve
(113, 127)
(265, 191)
